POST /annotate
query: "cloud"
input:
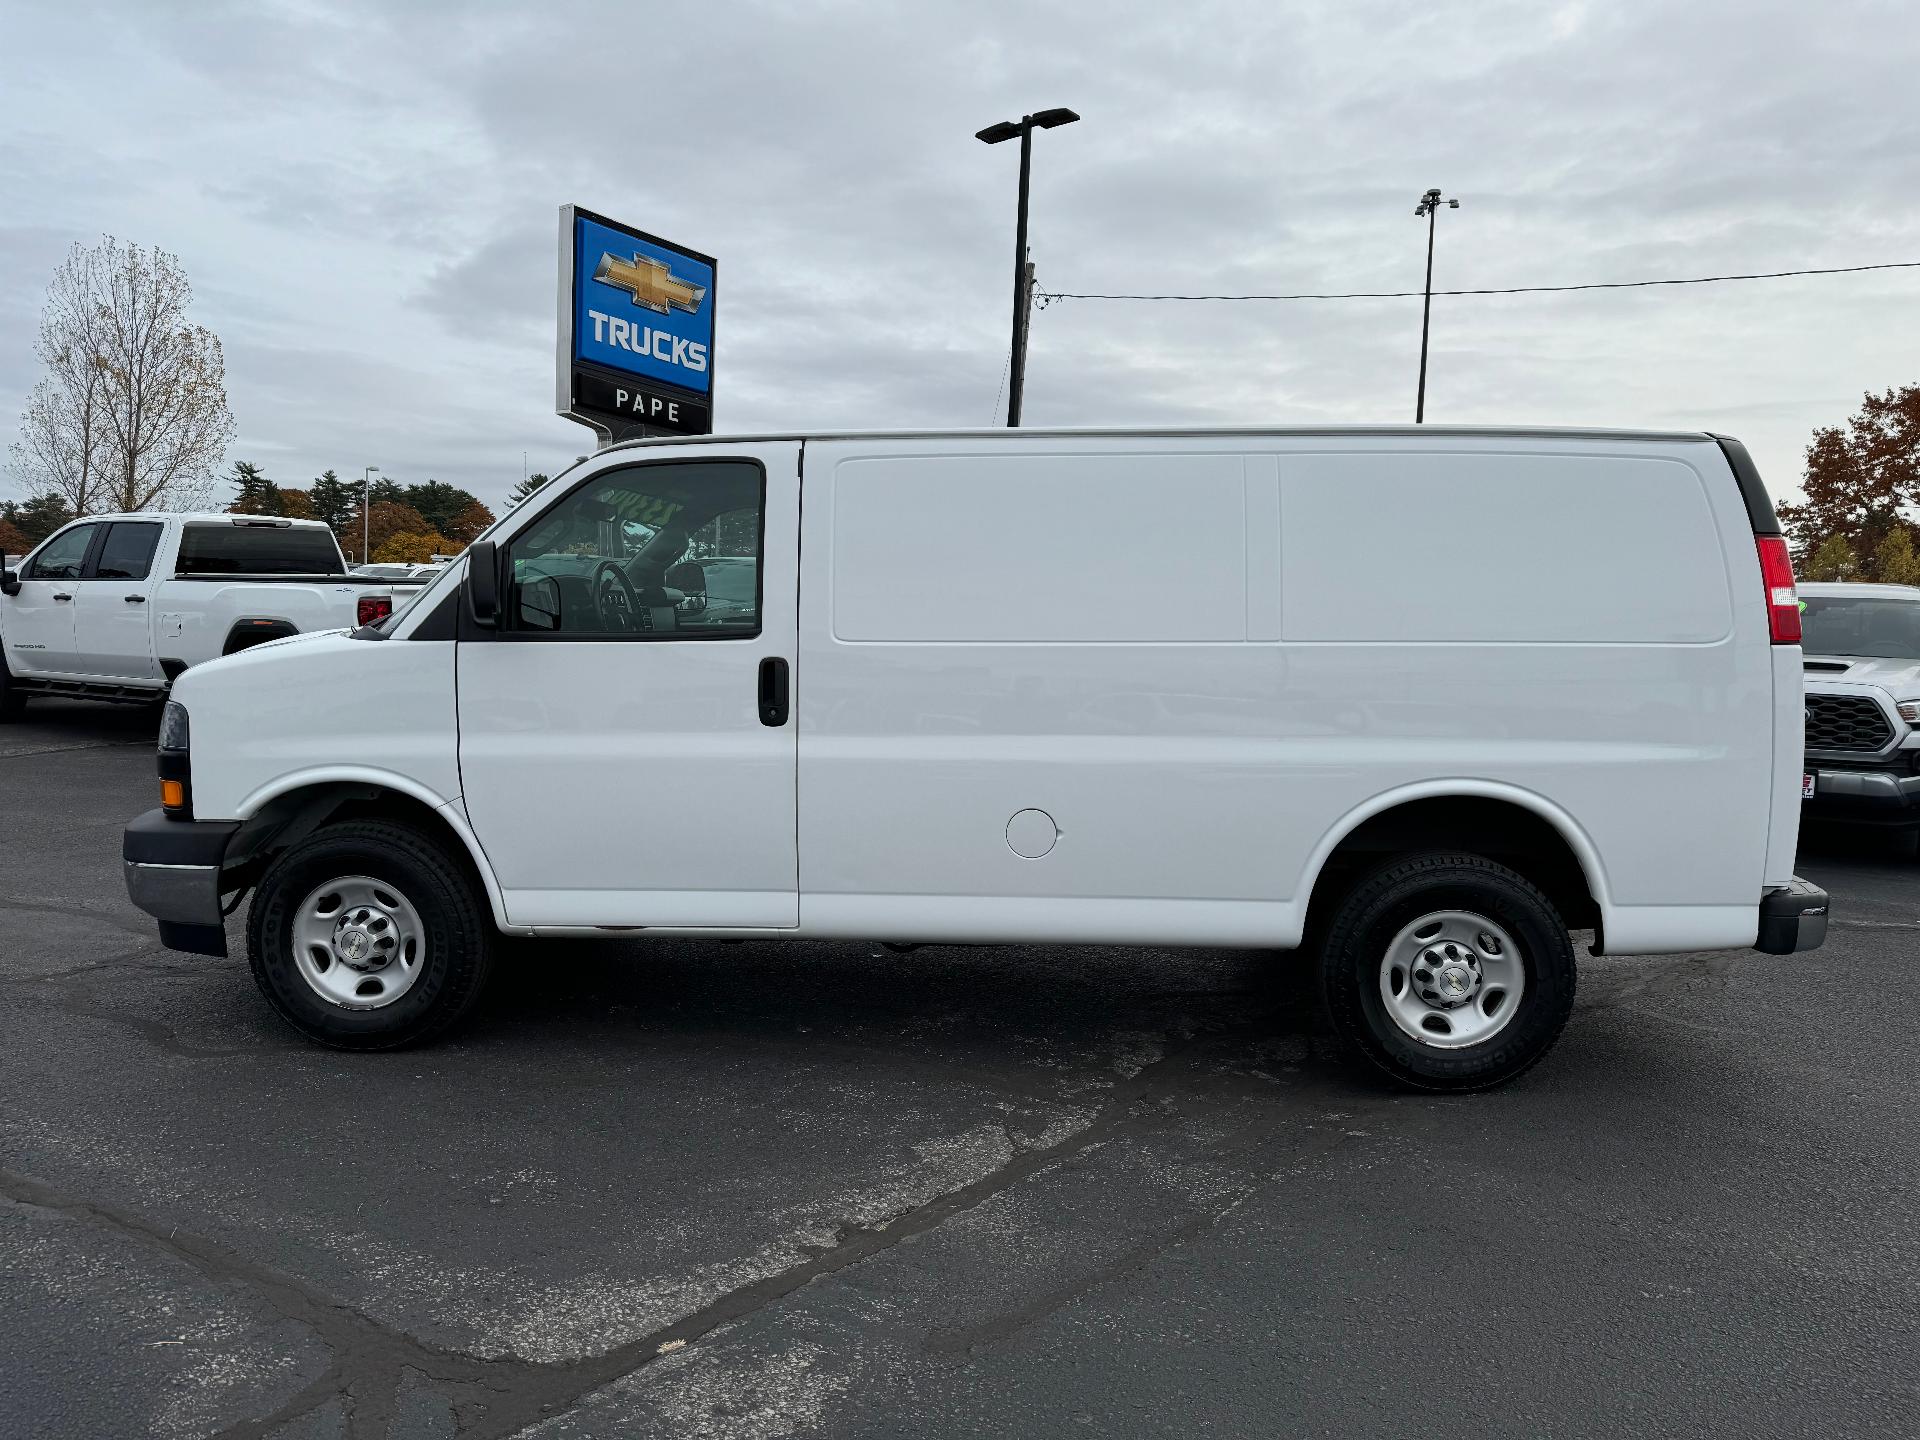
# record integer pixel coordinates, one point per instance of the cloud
(365, 194)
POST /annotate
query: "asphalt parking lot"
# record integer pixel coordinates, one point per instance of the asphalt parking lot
(679, 1189)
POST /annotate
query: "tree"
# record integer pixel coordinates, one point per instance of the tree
(333, 501)
(296, 504)
(467, 525)
(522, 489)
(36, 518)
(387, 519)
(258, 495)
(410, 548)
(1859, 477)
(385, 492)
(13, 540)
(132, 411)
(441, 503)
(1834, 560)
(1894, 563)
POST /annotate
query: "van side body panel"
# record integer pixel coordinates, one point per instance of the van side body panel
(1136, 688)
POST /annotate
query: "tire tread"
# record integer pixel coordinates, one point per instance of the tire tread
(468, 944)
(1472, 1069)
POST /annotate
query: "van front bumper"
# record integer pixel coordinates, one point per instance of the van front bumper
(173, 873)
(1792, 918)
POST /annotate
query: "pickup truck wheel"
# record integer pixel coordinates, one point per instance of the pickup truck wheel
(13, 700)
(1448, 971)
(369, 936)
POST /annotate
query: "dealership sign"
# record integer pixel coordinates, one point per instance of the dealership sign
(636, 329)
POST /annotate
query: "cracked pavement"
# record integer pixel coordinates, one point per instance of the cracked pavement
(759, 1190)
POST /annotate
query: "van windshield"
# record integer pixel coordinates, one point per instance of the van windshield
(1861, 625)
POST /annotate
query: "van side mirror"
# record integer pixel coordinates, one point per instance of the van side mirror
(9, 580)
(483, 583)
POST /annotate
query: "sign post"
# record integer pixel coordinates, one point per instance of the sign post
(636, 331)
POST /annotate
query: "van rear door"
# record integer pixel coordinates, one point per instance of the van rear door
(626, 752)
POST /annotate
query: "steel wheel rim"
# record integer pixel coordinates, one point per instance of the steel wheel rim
(1451, 979)
(358, 942)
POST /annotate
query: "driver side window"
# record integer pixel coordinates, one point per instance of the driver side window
(62, 556)
(663, 551)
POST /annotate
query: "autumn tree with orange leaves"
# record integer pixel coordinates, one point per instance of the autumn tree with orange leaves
(1862, 479)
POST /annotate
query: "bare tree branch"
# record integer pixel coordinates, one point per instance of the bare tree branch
(132, 411)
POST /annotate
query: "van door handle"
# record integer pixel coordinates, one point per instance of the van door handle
(61, 595)
(773, 691)
(136, 599)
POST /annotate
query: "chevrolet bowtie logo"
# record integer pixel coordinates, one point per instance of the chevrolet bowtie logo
(651, 283)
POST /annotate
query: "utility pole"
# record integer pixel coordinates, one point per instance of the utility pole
(366, 509)
(1429, 206)
(1022, 265)
(1018, 379)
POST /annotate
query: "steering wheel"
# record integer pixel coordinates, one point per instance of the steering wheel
(615, 603)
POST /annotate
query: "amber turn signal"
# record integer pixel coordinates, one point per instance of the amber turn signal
(173, 794)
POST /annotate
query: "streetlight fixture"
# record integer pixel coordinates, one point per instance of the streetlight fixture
(1429, 206)
(993, 135)
(366, 509)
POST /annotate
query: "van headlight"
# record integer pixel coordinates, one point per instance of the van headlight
(173, 727)
(1909, 711)
(175, 764)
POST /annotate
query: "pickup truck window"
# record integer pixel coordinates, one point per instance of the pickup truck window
(664, 551)
(127, 553)
(1860, 625)
(63, 555)
(258, 550)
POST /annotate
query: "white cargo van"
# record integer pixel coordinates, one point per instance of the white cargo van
(1423, 699)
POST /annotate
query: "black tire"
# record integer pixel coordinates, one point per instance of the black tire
(458, 939)
(1376, 910)
(13, 700)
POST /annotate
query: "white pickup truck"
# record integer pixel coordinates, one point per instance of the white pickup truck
(114, 607)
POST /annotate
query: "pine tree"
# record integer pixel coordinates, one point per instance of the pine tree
(334, 501)
(522, 489)
(39, 517)
(258, 495)
(1895, 563)
(441, 503)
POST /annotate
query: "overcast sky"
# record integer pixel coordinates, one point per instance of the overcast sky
(364, 197)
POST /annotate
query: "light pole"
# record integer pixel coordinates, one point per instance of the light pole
(366, 509)
(1429, 206)
(993, 135)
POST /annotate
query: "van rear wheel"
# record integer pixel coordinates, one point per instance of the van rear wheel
(368, 935)
(1448, 971)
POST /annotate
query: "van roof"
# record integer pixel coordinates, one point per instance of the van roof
(1506, 432)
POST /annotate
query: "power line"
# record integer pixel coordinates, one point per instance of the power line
(1000, 389)
(1046, 297)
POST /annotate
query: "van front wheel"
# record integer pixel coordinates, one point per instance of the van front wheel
(1448, 971)
(369, 936)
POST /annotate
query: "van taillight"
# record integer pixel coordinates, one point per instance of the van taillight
(372, 609)
(1783, 601)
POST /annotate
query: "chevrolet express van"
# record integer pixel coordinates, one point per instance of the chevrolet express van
(1422, 699)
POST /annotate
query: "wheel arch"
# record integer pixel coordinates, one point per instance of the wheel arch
(251, 630)
(289, 809)
(1518, 827)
